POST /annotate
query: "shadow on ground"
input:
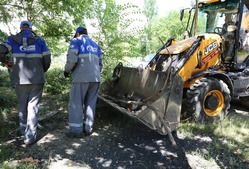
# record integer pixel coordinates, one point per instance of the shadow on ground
(118, 142)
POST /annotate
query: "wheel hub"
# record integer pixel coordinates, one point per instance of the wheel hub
(211, 102)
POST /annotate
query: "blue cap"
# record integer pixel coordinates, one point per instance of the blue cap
(23, 23)
(80, 29)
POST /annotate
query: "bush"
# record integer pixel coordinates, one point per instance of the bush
(4, 78)
(56, 82)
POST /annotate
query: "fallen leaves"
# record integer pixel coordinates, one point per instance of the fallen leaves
(29, 159)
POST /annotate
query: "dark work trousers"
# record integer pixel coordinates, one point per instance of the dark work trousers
(82, 104)
(29, 96)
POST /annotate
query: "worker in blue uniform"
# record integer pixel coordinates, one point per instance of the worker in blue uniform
(84, 61)
(30, 59)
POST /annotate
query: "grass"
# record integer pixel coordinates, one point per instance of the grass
(6, 159)
(8, 102)
(229, 139)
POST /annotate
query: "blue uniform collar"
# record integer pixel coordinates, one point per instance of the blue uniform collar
(27, 33)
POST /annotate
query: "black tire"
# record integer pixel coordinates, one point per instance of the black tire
(244, 101)
(208, 99)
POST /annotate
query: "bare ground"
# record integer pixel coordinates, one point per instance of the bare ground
(118, 142)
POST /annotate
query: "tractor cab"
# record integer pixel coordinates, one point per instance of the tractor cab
(229, 19)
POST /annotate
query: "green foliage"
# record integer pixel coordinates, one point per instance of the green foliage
(8, 100)
(3, 36)
(56, 82)
(52, 19)
(7, 93)
(115, 35)
(150, 10)
(5, 127)
(109, 66)
(56, 21)
(163, 28)
(4, 78)
(7, 152)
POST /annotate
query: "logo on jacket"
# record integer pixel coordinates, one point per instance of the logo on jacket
(91, 48)
(27, 48)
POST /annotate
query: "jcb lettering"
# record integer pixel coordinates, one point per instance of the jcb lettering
(211, 47)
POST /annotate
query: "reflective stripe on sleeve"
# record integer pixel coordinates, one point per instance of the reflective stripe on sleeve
(46, 53)
(87, 55)
(26, 55)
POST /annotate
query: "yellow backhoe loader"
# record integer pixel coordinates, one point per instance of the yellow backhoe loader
(197, 76)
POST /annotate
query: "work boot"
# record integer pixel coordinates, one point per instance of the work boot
(29, 142)
(88, 133)
(88, 130)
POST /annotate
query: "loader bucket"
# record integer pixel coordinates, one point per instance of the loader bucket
(152, 97)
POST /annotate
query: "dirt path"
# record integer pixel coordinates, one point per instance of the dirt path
(118, 142)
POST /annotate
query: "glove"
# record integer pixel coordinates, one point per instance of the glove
(66, 74)
(8, 65)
